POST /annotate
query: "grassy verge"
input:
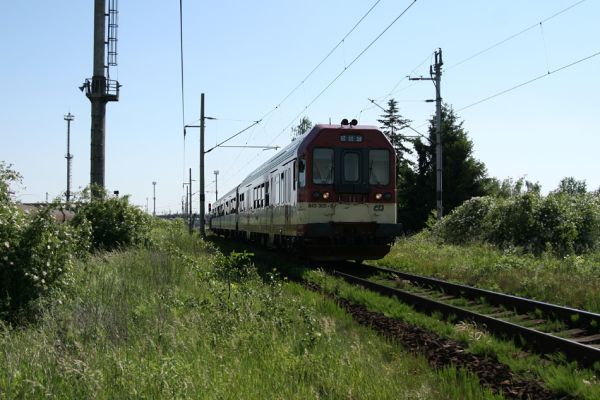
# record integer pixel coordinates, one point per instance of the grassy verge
(556, 375)
(573, 281)
(165, 322)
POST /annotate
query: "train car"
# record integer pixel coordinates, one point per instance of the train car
(329, 195)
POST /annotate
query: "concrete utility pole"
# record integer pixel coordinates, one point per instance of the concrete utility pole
(101, 89)
(216, 185)
(191, 220)
(154, 198)
(436, 76)
(69, 117)
(201, 213)
(185, 201)
(203, 118)
(438, 131)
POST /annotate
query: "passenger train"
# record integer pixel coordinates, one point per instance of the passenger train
(329, 195)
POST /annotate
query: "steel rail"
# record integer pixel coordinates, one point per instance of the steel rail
(570, 316)
(543, 342)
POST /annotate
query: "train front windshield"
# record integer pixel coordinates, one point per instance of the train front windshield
(355, 166)
(379, 167)
(323, 166)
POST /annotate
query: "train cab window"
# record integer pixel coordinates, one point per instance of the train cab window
(351, 167)
(302, 172)
(379, 167)
(323, 166)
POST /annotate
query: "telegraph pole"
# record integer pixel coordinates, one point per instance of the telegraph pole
(191, 209)
(201, 213)
(216, 185)
(435, 71)
(154, 198)
(203, 118)
(69, 117)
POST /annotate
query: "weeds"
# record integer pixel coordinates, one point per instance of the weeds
(572, 281)
(164, 322)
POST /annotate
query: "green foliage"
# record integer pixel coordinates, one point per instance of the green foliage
(7, 176)
(422, 256)
(114, 222)
(37, 257)
(151, 323)
(467, 222)
(509, 187)
(303, 126)
(571, 186)
(392, 125)
(565, 222)
(464, 176)
(36, 252)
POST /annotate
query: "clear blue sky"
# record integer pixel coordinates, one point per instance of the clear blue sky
(247, 56)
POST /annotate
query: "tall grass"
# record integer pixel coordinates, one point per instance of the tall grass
(162, 323)
(556, 375)
(572, 280)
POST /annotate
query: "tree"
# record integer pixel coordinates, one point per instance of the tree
(508, 187)
(7, 176)
(463, 176)
(303, 126)
(571, 186)
(392, 124)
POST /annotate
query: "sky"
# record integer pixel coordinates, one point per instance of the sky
(248, 56)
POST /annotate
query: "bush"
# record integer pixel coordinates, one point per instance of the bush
(564, 222)
(466, 223)
(513, 221)
(36, 253)
(114, 222)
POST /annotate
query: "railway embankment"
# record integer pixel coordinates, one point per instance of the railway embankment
(177, 318)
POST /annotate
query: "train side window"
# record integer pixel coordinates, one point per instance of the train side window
(267, 194)
(294, 177)
(302, 172)
(322, 166)
(288, 186)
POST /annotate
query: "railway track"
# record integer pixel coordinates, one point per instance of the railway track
(544, 327)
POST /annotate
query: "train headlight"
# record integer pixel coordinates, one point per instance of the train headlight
(378, 196)
(326, 195)
(387, 196)
(316, 194)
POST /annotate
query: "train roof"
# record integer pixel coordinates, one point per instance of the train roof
(290, 151)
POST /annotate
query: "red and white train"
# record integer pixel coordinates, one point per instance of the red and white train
(330, 195)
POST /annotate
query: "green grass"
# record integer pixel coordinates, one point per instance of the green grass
(557, 376)
(162, 323)
(573, 281)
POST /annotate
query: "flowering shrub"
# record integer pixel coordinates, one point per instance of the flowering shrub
(36, 252)
(114, 222)
(564, 222)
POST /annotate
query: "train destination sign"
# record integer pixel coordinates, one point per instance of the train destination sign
(351, 138)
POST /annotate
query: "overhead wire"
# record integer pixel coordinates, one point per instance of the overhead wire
(182, 85)
(496, 44)
(531, 80)
(389, 94)
(345, 69)
(322, 61)
(514, 35)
